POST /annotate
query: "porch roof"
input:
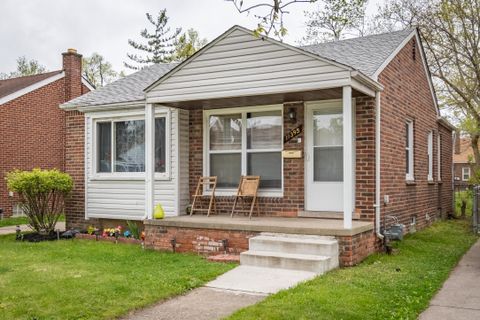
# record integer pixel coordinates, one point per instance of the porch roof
(303, 69)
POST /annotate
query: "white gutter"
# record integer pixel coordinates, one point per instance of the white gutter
(377, 165)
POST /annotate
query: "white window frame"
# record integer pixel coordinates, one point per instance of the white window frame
(409, 176)
(439, 157)
(243, 151)
(95, 175)
(430, 155)
(465, 171)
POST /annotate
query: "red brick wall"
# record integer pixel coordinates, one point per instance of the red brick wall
(365, 158)
(293, 169)
(407, 96)
(32, 127)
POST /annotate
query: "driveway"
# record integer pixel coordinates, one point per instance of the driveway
(459, 297)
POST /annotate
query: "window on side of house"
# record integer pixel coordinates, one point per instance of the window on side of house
(121, 146)
(430, 155)
(245, 143)
(439, 157)
(466, 173)
(409, 150)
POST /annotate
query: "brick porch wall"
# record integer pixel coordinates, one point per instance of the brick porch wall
(353, 249)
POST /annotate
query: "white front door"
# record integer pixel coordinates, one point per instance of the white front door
(324, 156)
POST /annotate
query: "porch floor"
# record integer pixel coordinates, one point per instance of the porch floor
(309, 226)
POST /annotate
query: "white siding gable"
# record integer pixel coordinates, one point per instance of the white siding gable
(240, 64)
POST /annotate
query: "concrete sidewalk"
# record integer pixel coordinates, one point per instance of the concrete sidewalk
(459, 297)
(25, 227)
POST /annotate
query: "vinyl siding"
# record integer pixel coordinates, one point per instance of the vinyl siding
(241, 64)
(125, 199)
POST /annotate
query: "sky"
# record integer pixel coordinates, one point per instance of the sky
(42, 30)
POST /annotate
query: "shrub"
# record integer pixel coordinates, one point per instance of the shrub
(42, 195)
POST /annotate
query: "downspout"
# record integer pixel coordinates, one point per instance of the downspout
(377, 165)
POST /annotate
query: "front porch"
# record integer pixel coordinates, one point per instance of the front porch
(207, 235)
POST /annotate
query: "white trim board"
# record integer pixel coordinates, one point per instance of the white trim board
(31, 88)
(87, 84)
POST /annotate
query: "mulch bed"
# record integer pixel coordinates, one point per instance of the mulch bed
(36, 237)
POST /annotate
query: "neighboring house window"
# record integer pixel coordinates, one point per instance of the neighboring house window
(121, 146)
(245, 143)
(466, 173)
(439, 157)
(430, 155)
(409, 150)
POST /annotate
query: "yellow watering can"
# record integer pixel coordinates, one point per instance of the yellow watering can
(158, 212)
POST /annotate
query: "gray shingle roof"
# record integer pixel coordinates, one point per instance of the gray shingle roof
(365, 54)
(128, 89)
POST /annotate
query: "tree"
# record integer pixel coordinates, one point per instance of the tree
(187, 44)
(334, 18)
(159, 46)
(97, 70)
(24, 68)
(396, 15)
(269, 13)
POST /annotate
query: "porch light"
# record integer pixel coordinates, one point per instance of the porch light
(292, 114)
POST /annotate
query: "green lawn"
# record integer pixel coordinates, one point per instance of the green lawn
(19, 220)
(81, 279)
(383, 287)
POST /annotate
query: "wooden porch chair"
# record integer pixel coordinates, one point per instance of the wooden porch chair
(204, 183)
(247, 191)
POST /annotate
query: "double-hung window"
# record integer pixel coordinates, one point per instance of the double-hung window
(430, 155)
(248, 142)
(409, 150)
(466, 173)
(120, 146)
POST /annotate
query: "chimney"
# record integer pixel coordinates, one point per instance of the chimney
(72, 66)
(457, 142)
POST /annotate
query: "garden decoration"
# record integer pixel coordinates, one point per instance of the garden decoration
(127, 234)
(158, 212)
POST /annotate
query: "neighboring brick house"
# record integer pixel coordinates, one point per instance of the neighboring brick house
(463, 162)
(346, 130)
(32, 126)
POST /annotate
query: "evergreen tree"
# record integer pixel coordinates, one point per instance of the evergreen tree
(159, 46)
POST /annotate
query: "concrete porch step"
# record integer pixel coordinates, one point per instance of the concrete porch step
(326, 215)
(280, 260)
(297, 244)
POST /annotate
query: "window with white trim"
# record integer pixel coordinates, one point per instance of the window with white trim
(409, 150)
(120, 145)
(430, 155)
(439, 157)
(466, 173)
(247, 142)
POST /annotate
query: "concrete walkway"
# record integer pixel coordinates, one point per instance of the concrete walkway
(199, 304)
(236, 289)
(25, 227)
(459, 297)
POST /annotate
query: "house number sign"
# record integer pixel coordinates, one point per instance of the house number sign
(292, 134)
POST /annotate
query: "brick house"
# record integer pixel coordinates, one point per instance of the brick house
(32, 125)
(463, 162)
(343, 134)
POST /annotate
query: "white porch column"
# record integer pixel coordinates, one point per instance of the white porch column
(347, 158)
(149, 159)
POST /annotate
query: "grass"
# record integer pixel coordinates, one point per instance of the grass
(81, 279)
(468, 197)
(13, 221)
(382, 287)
